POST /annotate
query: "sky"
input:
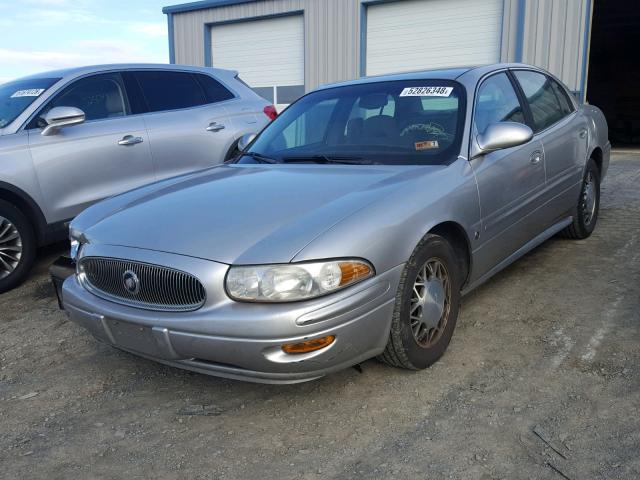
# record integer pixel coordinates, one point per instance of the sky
(41, 35)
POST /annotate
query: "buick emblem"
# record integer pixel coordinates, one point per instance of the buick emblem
(131, 282)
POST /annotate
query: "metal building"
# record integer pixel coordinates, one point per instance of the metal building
(283, 48)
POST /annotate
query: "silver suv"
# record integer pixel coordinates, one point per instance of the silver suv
(70, 138)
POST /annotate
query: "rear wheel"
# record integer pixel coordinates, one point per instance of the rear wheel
(426, 307)
(17, 246)
(586, 211)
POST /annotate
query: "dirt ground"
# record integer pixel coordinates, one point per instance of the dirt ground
(541, 381)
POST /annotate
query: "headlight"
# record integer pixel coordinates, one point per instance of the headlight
(295, 281)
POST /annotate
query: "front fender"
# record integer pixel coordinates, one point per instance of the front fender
(387, 231)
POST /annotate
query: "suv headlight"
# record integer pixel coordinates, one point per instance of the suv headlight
(75, 238)
(294, 281)
(75, 249)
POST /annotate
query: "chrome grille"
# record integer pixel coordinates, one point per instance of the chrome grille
(159, 288)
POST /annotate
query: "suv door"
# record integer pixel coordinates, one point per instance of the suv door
(187, 129)
(106, 155)
(509, 180)
(564, 139)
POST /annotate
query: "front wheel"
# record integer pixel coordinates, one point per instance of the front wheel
(585, 214)
(17, 246)
(426, 308)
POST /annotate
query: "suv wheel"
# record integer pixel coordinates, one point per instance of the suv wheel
(17, 246)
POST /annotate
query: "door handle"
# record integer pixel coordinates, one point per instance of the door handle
(215, 127)
(583, 133)
(536, 157)
(130, 140)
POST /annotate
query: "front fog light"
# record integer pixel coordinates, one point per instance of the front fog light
(308, 346)
(292, 282)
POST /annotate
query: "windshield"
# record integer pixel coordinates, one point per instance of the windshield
(415, 122)
(16, 96)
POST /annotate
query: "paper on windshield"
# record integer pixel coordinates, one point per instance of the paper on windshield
(30, 92)
(426, 92)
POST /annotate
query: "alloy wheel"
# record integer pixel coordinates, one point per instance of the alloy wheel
(10, 247)
(430, 303)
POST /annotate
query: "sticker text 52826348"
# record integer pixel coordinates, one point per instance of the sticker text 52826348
(426, 92)
(31, 92)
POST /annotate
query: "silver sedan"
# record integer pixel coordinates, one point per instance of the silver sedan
(348, 229)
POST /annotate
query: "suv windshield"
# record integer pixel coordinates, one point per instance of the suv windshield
(16, 96)
(410, 122)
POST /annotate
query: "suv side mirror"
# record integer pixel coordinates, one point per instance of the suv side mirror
(498, 136)
(59, 117)
(245, 140)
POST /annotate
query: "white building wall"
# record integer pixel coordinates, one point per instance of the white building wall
(547, 33)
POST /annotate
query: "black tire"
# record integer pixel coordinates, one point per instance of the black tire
(9, 214)
(233, 152)
(585, 217)
(403, 348)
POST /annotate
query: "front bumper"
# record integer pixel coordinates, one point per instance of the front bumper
(241, 340)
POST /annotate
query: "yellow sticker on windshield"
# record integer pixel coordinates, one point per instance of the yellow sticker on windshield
(427, 145)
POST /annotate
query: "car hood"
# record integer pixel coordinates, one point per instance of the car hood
(241, 214)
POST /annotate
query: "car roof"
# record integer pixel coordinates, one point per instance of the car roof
(438, 73)
(77, 71)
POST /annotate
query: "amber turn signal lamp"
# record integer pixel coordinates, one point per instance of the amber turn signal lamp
(353, 271)
(308, 346)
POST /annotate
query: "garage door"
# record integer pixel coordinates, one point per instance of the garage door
(421, 34)
(269, 54)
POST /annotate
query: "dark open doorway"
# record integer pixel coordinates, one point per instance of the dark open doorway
(614, 68)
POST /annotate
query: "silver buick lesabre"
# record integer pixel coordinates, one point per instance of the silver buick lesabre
(348, 229)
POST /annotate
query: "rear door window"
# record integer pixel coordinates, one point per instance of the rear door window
(496, 102)
(170, 90)
(544, 104)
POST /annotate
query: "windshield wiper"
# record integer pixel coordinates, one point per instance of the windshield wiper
(259, 157)
(328, 159)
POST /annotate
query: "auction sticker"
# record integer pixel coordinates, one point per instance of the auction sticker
(31, 92)
(427, 145)
(426, 92)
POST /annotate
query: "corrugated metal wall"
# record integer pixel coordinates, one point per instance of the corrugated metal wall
(553, 35)
(331, 33)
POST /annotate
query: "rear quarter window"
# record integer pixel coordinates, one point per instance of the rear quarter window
(214, 90)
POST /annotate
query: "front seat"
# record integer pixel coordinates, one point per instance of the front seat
(113, 104)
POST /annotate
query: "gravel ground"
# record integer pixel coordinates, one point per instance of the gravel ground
(542, 380)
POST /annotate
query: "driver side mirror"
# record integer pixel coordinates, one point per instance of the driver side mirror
(245, 140)
(501, 135)
(59, 117)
